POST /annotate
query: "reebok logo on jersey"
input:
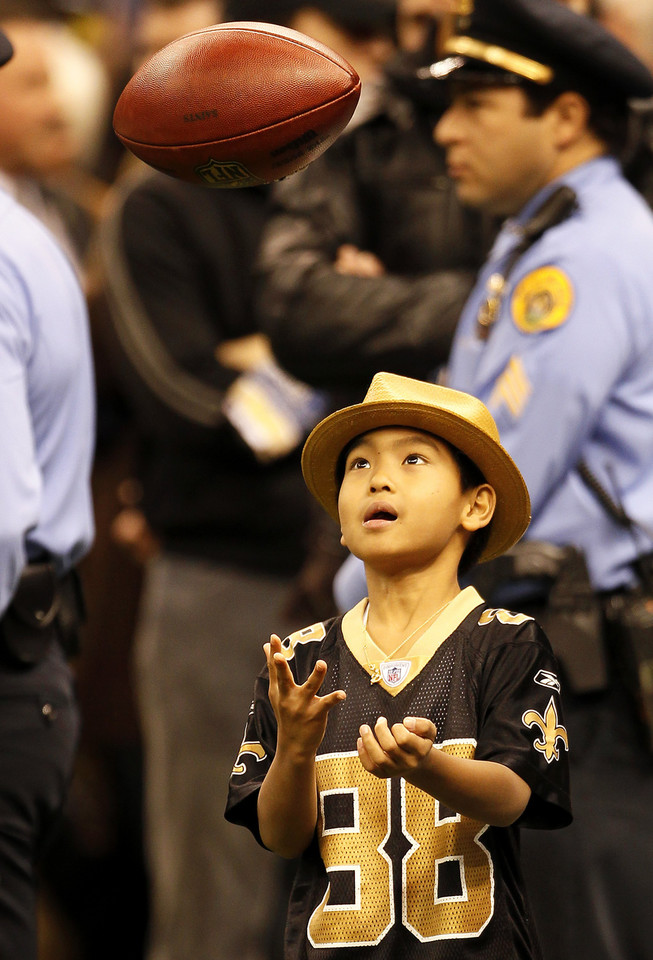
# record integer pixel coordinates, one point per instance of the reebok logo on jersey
(546, 678)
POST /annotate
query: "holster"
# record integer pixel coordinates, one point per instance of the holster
(552, 584)
(44, 610)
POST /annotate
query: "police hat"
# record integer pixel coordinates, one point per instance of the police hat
(542, 41)
(6, 49)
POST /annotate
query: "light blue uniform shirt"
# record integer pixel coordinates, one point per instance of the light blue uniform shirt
(567, 371)
(47, 414)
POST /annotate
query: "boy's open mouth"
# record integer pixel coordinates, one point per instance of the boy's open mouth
(380, 512)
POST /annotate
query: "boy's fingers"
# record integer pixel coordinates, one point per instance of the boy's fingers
(371, 745)
(316, 678)
(280, 673)
(364, 756)
(332, 699)
(384, 735)
(271, 647)
(421, 727)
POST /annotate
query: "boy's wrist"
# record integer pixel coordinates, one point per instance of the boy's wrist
(294, 752)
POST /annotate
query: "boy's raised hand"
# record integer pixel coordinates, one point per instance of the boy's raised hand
(397, 751)
(301, 714)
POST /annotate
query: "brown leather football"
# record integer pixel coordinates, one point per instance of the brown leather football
(236, 104)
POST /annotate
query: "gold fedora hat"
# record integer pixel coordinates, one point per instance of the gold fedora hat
(459, 418)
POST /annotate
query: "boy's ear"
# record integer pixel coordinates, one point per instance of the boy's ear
(480, 508)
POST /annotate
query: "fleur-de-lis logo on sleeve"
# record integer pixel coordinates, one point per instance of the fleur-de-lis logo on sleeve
(553, 732)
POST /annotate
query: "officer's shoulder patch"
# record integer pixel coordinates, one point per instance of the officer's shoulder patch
(542, 300)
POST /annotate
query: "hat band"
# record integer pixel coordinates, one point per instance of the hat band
(499, 57)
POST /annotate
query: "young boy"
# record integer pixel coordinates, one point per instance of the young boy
(395, 750)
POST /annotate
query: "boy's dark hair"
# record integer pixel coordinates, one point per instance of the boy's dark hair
(470, 476)
(608, 118)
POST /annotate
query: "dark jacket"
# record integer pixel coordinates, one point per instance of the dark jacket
(178, 261)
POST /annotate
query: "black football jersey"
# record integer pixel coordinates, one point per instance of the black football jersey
(392, 873)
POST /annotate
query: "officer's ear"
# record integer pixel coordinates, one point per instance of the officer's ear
(570, 113)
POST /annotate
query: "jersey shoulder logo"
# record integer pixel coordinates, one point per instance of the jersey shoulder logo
(542, 300)
(503, 616)
(312, 634)
(552, 731)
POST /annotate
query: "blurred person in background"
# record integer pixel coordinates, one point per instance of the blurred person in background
(48, 426)
(39, 146)
(632, 22)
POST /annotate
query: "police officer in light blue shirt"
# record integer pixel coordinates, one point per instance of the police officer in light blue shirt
(567, 370)
(46, 526)
(557, 340)
(47, 398)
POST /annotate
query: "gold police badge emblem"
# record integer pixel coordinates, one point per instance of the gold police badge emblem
(542, 300)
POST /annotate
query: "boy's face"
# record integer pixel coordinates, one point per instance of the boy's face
(401, 502)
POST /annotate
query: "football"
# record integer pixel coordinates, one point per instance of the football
(236, 104)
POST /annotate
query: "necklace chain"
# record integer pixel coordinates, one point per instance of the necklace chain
(375, 669)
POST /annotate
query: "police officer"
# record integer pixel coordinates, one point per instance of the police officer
(557, 339)
(46, 525)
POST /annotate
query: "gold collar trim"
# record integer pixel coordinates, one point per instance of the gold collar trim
(422, 650)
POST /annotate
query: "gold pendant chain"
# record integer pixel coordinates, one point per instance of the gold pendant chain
(375, 669)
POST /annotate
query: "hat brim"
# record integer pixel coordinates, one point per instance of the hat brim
(325, 444)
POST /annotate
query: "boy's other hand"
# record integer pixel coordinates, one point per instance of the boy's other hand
(397, 751)
(301, 714)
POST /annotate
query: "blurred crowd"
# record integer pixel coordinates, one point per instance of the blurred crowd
(198, 301)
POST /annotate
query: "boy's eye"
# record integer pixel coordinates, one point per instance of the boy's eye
(414, 458)
(359, 463)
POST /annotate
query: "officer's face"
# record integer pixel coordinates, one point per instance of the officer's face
(498, 154)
